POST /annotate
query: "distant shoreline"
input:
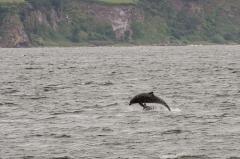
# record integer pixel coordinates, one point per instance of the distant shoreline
(120, 46)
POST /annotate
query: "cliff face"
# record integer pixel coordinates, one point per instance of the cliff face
(50, 19)
(15, 35)
(120, 17)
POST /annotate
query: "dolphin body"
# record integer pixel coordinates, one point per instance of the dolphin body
(144, 98)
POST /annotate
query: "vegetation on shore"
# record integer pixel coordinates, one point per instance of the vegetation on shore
(11, 1)
(163, 23)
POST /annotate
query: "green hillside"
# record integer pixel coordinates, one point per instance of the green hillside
(160, 22)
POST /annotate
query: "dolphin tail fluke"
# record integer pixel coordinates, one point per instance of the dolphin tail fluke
(160, 101)
(167, 106)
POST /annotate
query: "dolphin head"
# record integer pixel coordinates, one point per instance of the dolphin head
(132, 101)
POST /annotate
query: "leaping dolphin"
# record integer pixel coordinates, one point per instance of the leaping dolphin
(144, 98)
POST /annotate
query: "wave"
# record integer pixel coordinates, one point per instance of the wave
(34, 68)
(54, 87)
(107, 83)
(65, 157)
(184, 157)
(177, 131)
(87, 83)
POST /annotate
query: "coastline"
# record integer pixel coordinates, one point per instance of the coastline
(121, 46)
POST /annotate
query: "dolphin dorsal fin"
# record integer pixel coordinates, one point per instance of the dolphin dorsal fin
(151, 93)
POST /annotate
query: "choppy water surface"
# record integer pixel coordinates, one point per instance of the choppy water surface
(73, 102)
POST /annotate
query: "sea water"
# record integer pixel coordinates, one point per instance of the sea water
(74, 102)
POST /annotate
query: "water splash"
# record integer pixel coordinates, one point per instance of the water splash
(176, 110)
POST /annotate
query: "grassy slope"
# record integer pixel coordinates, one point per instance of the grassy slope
(226, 29)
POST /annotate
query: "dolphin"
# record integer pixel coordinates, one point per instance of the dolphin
(144, 98)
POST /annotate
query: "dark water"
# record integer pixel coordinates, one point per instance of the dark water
(73, 102)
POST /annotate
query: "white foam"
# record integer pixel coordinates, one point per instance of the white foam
(176, 110)
(168, 156)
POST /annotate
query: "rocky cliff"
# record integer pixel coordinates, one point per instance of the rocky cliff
(15, 35)
(120, 17)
